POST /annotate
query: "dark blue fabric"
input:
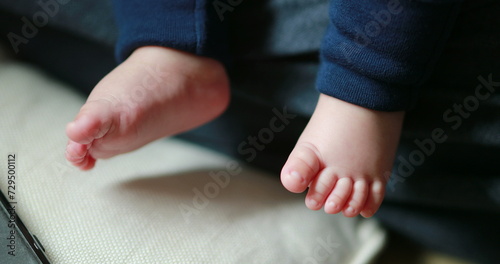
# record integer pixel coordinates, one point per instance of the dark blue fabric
(188, 25)
(175, 24)
(377, 53)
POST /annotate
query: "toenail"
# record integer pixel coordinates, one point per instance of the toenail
(296, 176)
(313, 203)
(332, 205)
(377, 186)
(350, 210)
(77, 158)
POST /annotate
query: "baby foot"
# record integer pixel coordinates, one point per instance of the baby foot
(156, 92)
(342, 156)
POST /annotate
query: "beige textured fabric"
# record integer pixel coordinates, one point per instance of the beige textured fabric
(159, 204)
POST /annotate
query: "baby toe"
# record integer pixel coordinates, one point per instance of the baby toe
(357, 200)
(374, 200)
(75, 152)
(84, 129)
(339, 195)
(93, 121)
(300, 169)
(320, 188)
(88, 164)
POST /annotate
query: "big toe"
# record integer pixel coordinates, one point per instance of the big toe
(300, 169)
(90, 124)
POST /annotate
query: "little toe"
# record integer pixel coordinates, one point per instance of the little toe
(320, 188)
(88, 164)
(374, 200)
(339, 195)
(300, 169)
(85, 163)
(357, 199)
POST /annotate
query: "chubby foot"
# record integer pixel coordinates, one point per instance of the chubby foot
(156, 92)
(343, 157)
